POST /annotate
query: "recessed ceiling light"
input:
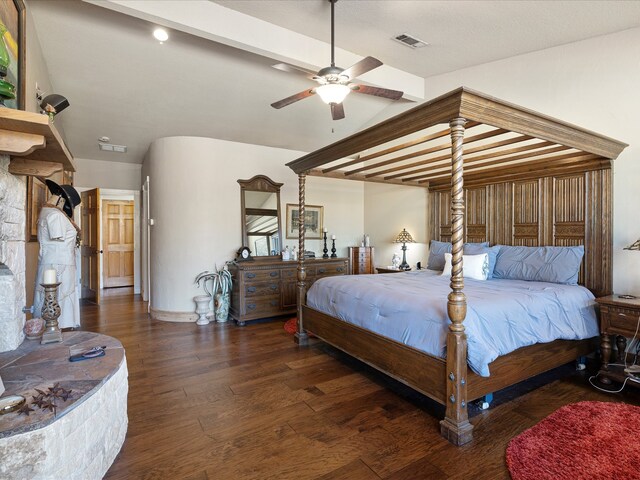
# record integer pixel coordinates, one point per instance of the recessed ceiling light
(161, 35)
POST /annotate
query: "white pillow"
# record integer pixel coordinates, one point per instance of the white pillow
(474, 266)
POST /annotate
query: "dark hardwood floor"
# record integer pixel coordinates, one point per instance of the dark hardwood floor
(223, 402)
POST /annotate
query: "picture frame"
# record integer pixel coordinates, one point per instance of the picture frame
(67, 178)
(314, 217)
(36, 198)
(13, 16)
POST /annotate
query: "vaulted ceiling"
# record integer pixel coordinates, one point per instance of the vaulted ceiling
(213, 77)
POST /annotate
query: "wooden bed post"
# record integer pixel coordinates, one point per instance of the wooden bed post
(301, 337)
(456, 427)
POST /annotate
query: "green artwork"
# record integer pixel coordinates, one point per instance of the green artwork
(9, 53)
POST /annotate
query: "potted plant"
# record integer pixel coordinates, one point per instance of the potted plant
(218, 285)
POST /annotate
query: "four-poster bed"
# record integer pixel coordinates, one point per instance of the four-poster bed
(529, 180)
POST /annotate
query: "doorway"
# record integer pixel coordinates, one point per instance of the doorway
(111, 246)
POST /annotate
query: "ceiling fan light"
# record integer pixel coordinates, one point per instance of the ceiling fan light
(333, 92)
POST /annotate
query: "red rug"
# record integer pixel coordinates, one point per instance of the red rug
(581, 441)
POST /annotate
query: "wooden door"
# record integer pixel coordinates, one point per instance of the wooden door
(117, 232)
(90, 250)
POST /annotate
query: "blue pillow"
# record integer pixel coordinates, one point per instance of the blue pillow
(436, 254)
(539, 264)
(438, 249)
(479, 249)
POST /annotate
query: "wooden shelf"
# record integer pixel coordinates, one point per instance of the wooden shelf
(35, 140)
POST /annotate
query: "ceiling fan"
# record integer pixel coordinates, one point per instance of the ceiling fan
(335, 82)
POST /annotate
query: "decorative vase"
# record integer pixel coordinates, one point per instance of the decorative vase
(202, 308)
(222, 302)
(34, 328)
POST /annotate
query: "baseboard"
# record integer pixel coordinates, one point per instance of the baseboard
(167, 316)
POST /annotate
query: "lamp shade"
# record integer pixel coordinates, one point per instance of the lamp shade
(634, 246)
(404, 237)
(333, 92)
(58, 102)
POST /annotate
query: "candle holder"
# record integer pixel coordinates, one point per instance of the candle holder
(50, 314)
(325, 249)
(333, 248)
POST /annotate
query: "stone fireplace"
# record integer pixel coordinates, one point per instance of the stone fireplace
(12, 257)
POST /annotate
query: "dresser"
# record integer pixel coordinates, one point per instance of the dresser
(265, 288)
(361, 260)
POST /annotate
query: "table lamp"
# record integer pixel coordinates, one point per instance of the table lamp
(404, 237)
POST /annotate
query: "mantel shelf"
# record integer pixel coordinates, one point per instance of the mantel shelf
(33, 138)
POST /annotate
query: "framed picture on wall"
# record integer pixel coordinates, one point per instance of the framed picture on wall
(37, 194)
(313, 216)
(12, 26)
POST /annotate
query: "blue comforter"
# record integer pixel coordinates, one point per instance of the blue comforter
(502, 315)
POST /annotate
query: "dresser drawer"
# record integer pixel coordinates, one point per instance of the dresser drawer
(623, 320)
(260, 289)
(289, 274)
(265, 306)
(363, 256)
(259, 275)
(325, 271)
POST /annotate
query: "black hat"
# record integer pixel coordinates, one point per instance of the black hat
(70, 195)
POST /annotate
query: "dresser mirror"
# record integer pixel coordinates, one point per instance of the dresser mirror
(260, 206)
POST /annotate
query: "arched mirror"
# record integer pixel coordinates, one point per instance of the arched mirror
(260, 203)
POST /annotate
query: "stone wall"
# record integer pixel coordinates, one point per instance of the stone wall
(12, 256)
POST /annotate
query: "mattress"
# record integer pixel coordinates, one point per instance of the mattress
(502, 315)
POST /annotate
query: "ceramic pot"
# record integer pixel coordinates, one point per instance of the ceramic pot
(33, 328)
(202, 308)
(222, 303)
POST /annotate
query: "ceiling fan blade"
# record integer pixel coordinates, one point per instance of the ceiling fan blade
(363, 66)
(337, 111)
(294, 98)
(285, 67)
(377, 91)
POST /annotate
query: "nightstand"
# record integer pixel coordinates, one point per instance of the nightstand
(390, 270)
(619, 317)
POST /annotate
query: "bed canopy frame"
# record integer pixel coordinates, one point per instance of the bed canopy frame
(556, 180)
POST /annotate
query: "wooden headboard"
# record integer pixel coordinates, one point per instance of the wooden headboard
(559, 210)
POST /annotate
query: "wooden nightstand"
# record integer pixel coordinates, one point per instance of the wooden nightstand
(390, 270)
(620, 317)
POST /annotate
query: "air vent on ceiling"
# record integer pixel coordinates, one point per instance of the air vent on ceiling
(110, 147)
(410, 41)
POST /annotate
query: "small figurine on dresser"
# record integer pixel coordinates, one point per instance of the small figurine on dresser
(285, 253)
(59, 239)
(395, 261)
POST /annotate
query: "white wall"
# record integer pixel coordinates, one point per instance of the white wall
(99, 173)
(593, 84)
(195, 204)
(387, 210)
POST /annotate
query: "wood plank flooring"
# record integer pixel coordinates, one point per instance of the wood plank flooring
(223, 402)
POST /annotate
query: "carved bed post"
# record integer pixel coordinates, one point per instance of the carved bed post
(456, 427)
(301, 337)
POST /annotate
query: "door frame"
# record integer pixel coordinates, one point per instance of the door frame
(120, 194)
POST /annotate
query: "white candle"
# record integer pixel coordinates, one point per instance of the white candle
(333, 237)
(325, 229)
(49, 277)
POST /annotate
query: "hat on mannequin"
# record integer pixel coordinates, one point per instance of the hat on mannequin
(70, 195)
